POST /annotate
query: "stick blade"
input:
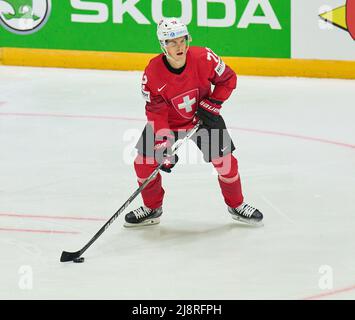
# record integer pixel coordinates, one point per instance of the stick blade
(69, 256)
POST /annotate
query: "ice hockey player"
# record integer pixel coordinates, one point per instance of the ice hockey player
(177, 88)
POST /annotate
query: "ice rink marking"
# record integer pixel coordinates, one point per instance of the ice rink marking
(330, 293)
(100, 117)
(24, 216)
(39, 231)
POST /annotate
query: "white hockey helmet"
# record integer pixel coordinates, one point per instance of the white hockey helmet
(171, 28)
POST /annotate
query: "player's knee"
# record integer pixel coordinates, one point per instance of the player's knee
(226, 166)
(144, 166)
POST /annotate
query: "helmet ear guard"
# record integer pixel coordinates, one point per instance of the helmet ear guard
(189, 38)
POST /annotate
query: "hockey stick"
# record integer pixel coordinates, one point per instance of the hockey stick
(71, 256)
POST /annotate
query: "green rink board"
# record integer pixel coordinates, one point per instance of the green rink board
(60, 32)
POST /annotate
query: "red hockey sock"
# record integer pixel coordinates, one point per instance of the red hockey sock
(153, 193)
(229, 180)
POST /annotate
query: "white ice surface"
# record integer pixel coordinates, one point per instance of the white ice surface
(66, 150)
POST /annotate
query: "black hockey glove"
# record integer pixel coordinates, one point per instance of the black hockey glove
(208, 111)
(163, 154)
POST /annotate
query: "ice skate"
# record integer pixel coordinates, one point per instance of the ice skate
(143, 216)
(247, 214)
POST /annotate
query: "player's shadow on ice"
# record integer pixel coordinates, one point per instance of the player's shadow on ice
(167, 236)
(163, 233)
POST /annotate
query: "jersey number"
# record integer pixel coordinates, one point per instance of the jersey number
(211, 55)
(145, 94)
(220, 67)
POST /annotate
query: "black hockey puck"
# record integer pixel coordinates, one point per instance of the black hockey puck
(79, 260)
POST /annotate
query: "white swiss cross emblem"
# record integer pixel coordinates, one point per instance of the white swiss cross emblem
(186, 103)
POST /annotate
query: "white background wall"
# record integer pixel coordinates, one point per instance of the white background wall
(312, 38)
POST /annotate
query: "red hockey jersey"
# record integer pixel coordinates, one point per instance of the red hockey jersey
(172, 99)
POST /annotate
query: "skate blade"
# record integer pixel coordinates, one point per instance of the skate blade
(248, 222)
(148, 222)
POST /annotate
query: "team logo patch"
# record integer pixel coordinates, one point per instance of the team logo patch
(24, 16)
(220, 67)
(185, 104)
